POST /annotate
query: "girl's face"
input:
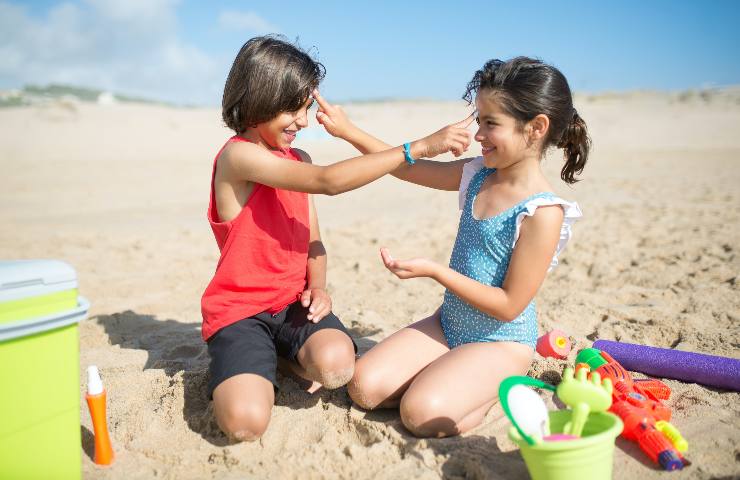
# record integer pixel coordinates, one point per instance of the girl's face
(280, 132)
(501, 138)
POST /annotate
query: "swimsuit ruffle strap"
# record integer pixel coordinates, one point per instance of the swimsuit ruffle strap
(469, 170)
(571, 210)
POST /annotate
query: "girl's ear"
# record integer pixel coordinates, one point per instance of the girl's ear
(539, 126)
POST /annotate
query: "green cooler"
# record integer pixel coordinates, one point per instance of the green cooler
(39, 370)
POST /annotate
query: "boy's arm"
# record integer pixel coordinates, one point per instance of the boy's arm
(314, 296)
(437, 175)
(527, 269)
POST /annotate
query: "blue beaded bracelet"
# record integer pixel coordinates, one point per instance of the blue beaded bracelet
(407, 154)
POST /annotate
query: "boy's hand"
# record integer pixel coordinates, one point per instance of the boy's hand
(318, 303)
(453, 138)
(416, 267)
(332, 117)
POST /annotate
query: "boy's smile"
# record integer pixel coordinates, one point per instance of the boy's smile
(279, 132)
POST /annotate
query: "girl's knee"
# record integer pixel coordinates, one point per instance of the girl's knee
(426, 416)
(243, 421)
(365, 386)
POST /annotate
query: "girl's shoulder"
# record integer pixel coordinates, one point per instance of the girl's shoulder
(571, 213)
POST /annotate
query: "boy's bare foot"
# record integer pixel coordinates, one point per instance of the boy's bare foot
(294, 371)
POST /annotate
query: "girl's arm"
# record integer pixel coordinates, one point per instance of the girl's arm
(437, 175)
(315, 297)
(244, 161)
(530, 260)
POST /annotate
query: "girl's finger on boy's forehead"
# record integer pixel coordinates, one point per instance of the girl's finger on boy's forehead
(319, 99)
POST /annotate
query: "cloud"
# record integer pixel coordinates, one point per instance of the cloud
(245, 21)
(129, 47)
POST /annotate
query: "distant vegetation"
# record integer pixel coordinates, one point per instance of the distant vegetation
(70, 95)
(34, 95)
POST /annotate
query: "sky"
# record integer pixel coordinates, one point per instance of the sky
(181, 50)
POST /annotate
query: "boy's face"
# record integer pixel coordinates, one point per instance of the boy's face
(280, 132)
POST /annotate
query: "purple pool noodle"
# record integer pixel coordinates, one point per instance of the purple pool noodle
(722, 372)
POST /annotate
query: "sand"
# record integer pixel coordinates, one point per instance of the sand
(120, 192)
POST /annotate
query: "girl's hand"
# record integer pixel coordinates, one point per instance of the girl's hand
(318, 303)
(453, 138)
(332, 117)
(403, 269)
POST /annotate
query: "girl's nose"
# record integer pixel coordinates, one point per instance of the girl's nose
(478, 136)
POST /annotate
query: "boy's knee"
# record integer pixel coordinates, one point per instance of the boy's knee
(244, 421)
(332, 366)
(332, 374)
(332, 379)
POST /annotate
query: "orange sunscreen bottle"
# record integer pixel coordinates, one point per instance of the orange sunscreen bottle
(96, 403)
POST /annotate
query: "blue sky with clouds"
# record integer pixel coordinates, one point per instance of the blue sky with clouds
(181, 51)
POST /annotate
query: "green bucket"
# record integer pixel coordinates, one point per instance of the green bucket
(590, 456)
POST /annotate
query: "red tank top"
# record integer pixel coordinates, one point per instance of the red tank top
(264, 252)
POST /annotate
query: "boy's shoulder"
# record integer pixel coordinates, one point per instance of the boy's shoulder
(303, 155)
(235, 149)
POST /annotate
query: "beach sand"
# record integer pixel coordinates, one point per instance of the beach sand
(120, 192)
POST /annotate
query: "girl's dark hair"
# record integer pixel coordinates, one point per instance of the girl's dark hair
(525, 88)
(269, 76)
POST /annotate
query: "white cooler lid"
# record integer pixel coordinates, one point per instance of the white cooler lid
(30, 278)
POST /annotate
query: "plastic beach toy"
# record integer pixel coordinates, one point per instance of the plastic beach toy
(554, 344)
(712, 370)
(529, 411)
(583, 394)
(560, 455)
(525, 409)
(588, 457)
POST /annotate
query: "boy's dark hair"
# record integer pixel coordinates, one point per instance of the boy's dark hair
(527, 87)
(269, 76)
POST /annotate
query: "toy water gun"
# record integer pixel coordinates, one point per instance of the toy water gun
(638, 403)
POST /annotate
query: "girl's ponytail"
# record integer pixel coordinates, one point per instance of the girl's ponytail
(576, 144)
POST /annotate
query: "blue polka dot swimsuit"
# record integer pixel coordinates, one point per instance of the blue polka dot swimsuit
(482, 251)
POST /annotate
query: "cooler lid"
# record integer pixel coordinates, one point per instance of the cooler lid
(22, 278)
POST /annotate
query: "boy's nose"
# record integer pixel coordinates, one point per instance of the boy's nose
(478, 136)
(302, 121)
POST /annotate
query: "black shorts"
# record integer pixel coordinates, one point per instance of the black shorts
(253, 344)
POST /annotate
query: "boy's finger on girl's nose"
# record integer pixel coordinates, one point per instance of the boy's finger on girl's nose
(468, 120)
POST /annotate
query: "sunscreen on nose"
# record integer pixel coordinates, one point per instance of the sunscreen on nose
(96, 403)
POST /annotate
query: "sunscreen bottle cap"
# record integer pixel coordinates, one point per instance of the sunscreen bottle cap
(94, 384)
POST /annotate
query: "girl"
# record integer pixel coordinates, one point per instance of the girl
(268, 295)
(512, 228)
